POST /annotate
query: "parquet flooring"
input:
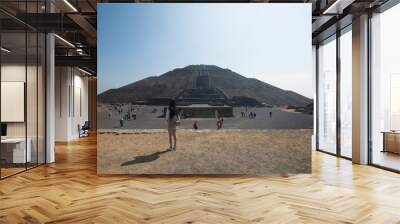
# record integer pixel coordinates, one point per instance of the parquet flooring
(69, 191)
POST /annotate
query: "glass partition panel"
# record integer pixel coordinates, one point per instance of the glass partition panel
(385, 89)
(31, 98)
(22, 88)
(327, 96)
(14, 153)
(346, 94)
(41, 98)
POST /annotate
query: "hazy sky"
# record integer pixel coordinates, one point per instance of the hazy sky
(270, 42)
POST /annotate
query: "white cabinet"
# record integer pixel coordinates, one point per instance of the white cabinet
(19, 155)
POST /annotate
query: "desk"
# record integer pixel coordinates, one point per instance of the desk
(391, 141)
(13, 150)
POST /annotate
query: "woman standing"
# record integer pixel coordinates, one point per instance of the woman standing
(172, 120)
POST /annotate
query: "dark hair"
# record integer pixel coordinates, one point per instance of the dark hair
(172, 108)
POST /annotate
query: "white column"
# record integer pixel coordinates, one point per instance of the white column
(50, 99)
(360, 90)
(50, 92)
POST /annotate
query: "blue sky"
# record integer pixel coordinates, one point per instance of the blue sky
(270, 42)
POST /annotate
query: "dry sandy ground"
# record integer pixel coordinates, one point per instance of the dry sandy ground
(253, 152)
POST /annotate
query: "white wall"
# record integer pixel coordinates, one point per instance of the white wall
(17, 73)
(70, 83)
(61, 103)
(9, 73)
(79, 115)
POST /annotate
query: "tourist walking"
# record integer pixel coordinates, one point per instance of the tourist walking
(172, 121)
(216, 114)
(220, 122)
(121, 122)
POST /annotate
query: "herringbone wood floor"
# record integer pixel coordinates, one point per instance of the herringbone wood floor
(69, 191)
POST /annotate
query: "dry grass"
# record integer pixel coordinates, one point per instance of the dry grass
(256, 152)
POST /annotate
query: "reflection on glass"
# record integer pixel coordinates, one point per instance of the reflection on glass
(31, 101)
(327, 97)
(14, 150)
(394, 102)
(22, 92)
(346, 94)
(385, 93)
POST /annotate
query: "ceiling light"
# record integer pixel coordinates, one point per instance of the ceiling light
(79, 51)
(337, 7)
(5, 50)
(65, 41)
(70, 5)
(84, 71)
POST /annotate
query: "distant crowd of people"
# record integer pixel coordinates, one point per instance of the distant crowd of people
(123, 112)
(128, 112)
(253, 115)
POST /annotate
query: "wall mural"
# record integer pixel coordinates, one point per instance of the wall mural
(204, 89)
